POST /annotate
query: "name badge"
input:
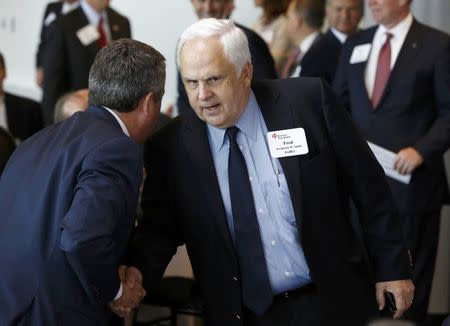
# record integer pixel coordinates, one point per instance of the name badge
(360, 53)
(287, 142)
(50, 18)
(88, 34)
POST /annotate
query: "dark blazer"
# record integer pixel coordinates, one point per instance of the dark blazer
(55, 8)
(182, 204)
(68, 61)
(413, 111)
(263, 66)
(70, 193)
(322, 58)
(24, 116)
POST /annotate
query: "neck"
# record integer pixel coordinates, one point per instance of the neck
(93, 6)
(397, 20)
(303, 33)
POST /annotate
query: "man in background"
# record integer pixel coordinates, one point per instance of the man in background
(51, 13)
(264, 66)
(305, 24)
(69, 197)
(71, 103)
(73, 41)
(22, 117)
(343, 17)
(394, 78)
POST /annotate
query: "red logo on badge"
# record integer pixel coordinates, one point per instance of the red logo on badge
(274, 135)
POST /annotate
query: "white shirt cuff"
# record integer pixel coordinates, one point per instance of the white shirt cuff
(119, 293)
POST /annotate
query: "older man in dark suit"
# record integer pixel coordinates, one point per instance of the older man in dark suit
(22, 117)
(69, 196)
(261, 196)
(395, 80)
(73, 41)
(264, 66)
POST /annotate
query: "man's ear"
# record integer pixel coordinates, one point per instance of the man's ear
(247, 73)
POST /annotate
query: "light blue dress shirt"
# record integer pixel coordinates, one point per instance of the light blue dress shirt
(285, 260)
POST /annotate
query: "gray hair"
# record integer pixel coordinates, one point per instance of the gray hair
(232, 38)
(123, 73)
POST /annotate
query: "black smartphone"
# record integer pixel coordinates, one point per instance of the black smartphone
(390, 301)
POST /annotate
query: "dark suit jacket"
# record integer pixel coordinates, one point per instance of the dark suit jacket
(23, 115)
(70, 193)
(55, 8)
(68, 61)
(322, 58)
(263, 66)
(414, 110)
(182, 204)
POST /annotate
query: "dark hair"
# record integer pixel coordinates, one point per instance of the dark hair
(2, 61)
(7, 147)
(273, 8)
(312, 11)
(123, 73)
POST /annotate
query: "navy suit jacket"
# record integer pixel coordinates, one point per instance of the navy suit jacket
(182, 203)
(68, 201)
(24, 116)
(67, 61)
(55, 8)
(322, 58)
(262, 61)
(413, 111)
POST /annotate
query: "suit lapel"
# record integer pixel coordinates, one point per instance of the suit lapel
(408, 52)
(199, 152)
(114, 25)
(79, 21)
(358, 70)
(278, 116)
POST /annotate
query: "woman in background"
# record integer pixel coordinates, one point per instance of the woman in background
(271, 26)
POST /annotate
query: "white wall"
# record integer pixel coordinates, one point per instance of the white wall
(156, 22)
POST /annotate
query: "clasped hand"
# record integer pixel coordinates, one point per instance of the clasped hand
(132, 293)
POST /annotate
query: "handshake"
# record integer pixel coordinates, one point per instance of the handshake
(132, 291)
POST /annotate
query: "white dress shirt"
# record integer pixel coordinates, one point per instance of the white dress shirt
(398, 32)
(339, 35)
(94, 16)
(3, 118)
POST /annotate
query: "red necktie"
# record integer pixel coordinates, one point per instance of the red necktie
(102, 35)
(291, 62)
(383, 71)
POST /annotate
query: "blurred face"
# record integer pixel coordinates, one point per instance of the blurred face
(217, 95)
(344, 15)
(258, 3)
(389, 12)
(212, 8)
(98, 5)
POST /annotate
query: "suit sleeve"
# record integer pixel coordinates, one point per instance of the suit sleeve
(105, 199)
(437, 140)
(55, 80)
(381, 224)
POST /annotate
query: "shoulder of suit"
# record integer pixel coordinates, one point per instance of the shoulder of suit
(53, 6)
(114, 14)
(22, 102)
(430, 33)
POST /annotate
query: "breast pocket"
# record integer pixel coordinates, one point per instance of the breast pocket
(283, 199)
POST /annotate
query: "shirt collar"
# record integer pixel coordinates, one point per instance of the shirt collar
(122, 125)
(339, 35)
(400, 29)
(92, 15)
(247, 123)
(308, 42)
(68, 7)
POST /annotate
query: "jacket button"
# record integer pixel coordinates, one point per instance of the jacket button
(238, 316)
(235, 278)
